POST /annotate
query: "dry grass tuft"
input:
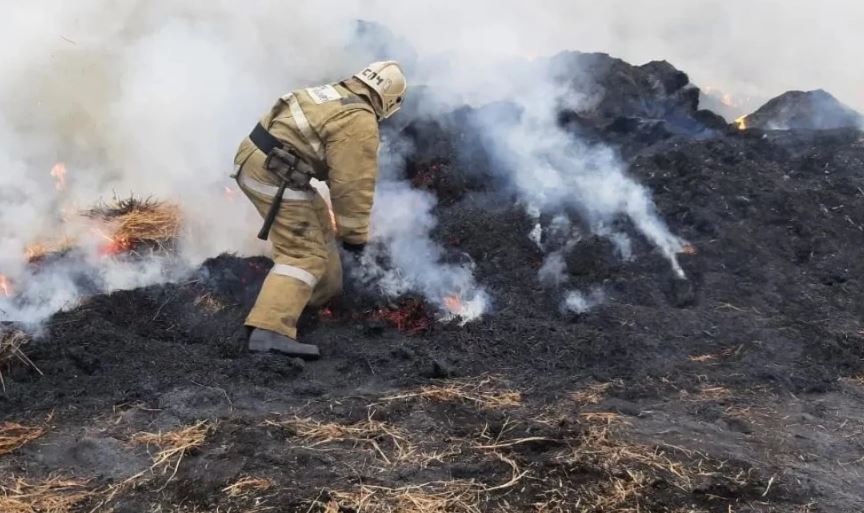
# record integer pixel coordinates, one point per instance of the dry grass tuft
(11, 342)
(629, 469)
(439, 497)
(159, 225)
(370, 432)
(13, 435)
(248, 485)
(53, 495)
(39, 250)
(592, 394)
(725, 353)
(173, 445)
(708, 393)
(484, 393)
(857, 380)
(607, 418)
(209, 303)
(703, 358)
(140, 221)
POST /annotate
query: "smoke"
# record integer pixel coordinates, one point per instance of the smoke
(403, 257)
(579, 303)
(152, 98)
(554, 173)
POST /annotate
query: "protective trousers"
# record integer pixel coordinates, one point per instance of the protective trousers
(307, 268)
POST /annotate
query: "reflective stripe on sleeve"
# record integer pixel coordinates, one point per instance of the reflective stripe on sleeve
(271, 190)
(296, 273)
(303, 124)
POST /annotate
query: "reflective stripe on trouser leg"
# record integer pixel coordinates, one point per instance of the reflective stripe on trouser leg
(300, 252)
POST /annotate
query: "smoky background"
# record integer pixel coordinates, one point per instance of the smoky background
(152, 98)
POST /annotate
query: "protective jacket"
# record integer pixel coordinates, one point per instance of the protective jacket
(335, 130)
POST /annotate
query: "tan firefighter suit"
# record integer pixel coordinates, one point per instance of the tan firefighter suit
(335, 130)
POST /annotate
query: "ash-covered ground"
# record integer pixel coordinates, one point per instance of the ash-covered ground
(739, 389)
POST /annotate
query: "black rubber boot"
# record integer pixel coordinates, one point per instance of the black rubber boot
(263, 341)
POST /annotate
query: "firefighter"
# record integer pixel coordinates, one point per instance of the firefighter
(330, 133)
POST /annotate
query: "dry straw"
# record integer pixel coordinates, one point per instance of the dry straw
(248, 486)
(485, 393)
(13, 435)
(52, 495)
(369, 432)
(11, 342)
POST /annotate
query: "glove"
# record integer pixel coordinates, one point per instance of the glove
(354, 249)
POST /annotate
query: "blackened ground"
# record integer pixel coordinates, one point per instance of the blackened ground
(740, 389)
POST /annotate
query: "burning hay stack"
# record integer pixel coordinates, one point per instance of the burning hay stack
(120, 226)
(139, 224)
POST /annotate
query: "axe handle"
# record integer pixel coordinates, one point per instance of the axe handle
(264, 234)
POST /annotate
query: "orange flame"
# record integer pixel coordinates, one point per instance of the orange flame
(114, 245)
(59, 174)
(453, 303)
(5, 286)
(332, 217)
(35, 251)
(741, 122)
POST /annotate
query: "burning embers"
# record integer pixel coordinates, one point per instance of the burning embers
(411, 316)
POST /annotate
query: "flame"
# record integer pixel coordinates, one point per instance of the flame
(728, 100)
(741, 122)
(5, 286)
(332, 217)
(59, 174)
(453, 303)
(689, 249)
(114, 245)
(35, 251)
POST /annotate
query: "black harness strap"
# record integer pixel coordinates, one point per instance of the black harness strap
(264, 140)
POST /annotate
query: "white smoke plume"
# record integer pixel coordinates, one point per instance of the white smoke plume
(579, 303)
(402, 222)
(552, 172)
(152, 98)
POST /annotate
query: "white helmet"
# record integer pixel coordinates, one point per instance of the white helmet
(388, 82)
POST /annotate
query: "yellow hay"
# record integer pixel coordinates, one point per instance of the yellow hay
(174, 444)
(592, 394)
(369, 432)
(11, 342)
(53, 495)
(13, 435)
(248, 485)
(158, 224)
(484, 394)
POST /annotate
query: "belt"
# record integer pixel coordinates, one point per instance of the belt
(265, 141)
